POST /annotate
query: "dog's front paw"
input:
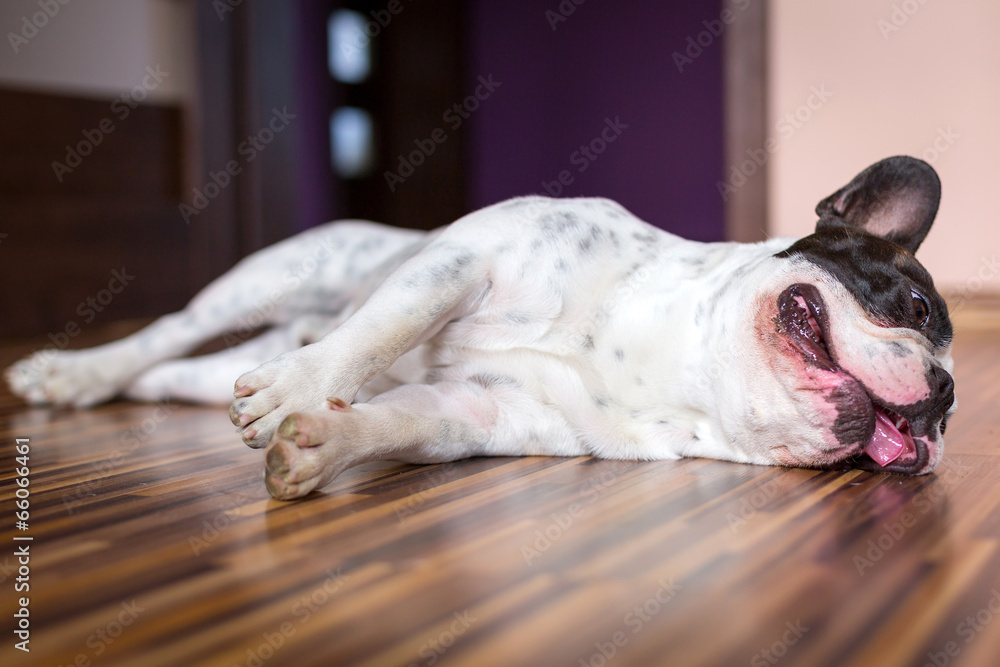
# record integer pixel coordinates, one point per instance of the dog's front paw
(308, 450)
(297, 381)
(68, 378)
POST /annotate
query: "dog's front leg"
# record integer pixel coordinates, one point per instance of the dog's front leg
(414, 424)
(441, 283)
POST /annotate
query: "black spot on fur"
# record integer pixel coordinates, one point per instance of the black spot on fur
(644, 237)
(558, 222)
(898, 349)
(699, 314)
(491, 380)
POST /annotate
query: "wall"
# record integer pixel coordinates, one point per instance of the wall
(98, 48)
(930, 88)
(601, 61)
(90, 183)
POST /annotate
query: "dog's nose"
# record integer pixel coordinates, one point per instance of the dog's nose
(945, 385)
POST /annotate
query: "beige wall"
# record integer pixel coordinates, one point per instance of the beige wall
(929, 89)
(99, 48)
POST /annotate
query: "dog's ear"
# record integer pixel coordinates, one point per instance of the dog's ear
(895, 199)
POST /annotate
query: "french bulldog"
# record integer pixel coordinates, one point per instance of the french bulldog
(562, 327)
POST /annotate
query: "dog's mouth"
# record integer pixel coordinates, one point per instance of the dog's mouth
(891, 447)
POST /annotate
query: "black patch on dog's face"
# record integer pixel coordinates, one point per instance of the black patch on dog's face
(886, 280)
(866, 236)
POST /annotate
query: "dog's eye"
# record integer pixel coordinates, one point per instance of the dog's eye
(921, 310)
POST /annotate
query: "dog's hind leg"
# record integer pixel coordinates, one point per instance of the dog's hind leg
(209, 378)
(318, 271)
(443, 282)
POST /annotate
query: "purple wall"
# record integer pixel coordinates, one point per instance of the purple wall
(607, 60)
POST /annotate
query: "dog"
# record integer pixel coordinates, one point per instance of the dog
(562, 327)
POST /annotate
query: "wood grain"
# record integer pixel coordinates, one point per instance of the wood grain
(155, 544)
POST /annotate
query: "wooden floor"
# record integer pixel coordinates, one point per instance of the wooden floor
(153, 542)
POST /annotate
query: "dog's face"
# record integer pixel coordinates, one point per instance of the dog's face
(854, 334)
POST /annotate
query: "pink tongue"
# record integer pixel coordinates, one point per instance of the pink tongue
(887, 444)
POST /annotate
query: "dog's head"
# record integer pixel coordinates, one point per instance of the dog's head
(858, 334)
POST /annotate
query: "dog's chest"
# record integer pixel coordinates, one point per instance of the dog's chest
(603, 323)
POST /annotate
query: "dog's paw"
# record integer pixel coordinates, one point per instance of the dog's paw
(297, 381)
(67, 378)
(308, 450)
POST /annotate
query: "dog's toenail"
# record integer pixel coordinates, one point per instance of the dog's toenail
(338, 404)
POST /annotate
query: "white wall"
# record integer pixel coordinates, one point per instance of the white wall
(99, 48)
(898, 93)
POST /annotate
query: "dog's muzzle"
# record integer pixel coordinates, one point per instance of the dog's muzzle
(894, 438)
